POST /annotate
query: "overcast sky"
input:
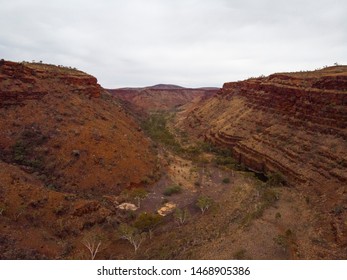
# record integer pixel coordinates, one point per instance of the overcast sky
(191, 43)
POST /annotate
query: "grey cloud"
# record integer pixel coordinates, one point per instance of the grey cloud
(187, 42)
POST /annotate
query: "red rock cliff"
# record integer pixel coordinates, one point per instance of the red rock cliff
(76, 140)
(293, 123)
(33, 80)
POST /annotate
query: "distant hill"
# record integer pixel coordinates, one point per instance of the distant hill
(161, 96)
(165, 86)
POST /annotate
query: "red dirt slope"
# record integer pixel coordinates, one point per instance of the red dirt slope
(65, 146)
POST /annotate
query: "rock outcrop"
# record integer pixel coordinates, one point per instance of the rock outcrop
(293, 123)
(34, 80)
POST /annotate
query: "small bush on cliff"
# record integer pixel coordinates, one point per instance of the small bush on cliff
(2, 209)
(21, 155)
(19, 151)
(147, 222)
(204, 203)
(175, 189)
(226, 180)
(93, 242)
(132, 235)
(181, 216)
(276, 179)
(285, 240)
(23, 151)
(138, 194)
(155, 126)
(267, 198)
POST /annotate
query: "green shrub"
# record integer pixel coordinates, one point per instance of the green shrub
(137, 194)
(226, 180)
(193, 151)
(19, 152)
(225, 160)
(172, 190)
(131, 234)
(155, 127)
(2, 209)
(23, 151)
(145, 181)
(338, 210)
(164, 201)
(276, 179)
(181, 216)
(269, 197)
(52, 187)
(285, 240)
(204, 203)
(147, 222)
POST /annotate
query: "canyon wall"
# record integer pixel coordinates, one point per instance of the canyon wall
(292, 123)
(59, 123)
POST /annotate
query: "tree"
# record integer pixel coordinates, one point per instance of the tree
(204, 203)
(147, 222)
(92, 241)
(202, 163)
(132, 235)
(138, 194)
(181, 216)
(2, 208)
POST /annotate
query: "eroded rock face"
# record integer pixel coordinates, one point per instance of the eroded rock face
(34, 80)
(293, 123)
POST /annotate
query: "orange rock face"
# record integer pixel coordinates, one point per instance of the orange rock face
(294, 123)
(33, 80)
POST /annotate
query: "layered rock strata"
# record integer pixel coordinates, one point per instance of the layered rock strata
(293, 123)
